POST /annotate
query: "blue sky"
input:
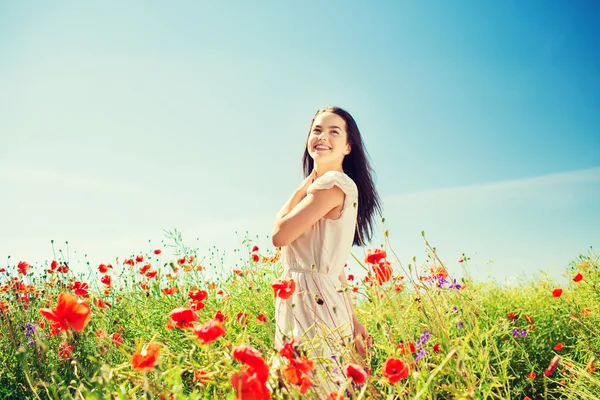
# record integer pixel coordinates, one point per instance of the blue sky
(482, 121)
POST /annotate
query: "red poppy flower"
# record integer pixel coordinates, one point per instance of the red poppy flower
(129, 262)
(252, 357)
(106, 279)
(527, 398)
(116, 339)
(436, 347)
(146, 358)
(586, 311)
(198, 295)
(284, 288)
(219, 316)
(183, 318)
(578, 277)
(181, 261)
(145, 268)
(356, 373)
(383, 272)
(558, 347)
(139, 258)
(375, 255)
(102, 304)
(254, 249)
(242, 318)
(151, 274)
(395, 369)
(65, 350)
(101, 333)
(103, 268)
(350, 277)
(248, 386)
(512, 315)
(406, 347)
(54, 265)
(336, 396)
(170, 290)
(531, 375)
(23, 267)
(557, 292)
(80, 289)
(3, 306)
(210, 331)
(262, 318)
(289, 350)
(157, 251)
(70, 312)
(255, 257)
(438, 272)
(297, 372)
(552, 366)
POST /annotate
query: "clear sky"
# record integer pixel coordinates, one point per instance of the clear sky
(119, 120)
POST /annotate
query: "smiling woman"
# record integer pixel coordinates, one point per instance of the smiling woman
(330, 211)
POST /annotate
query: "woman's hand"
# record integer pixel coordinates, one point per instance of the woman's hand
(361, 335)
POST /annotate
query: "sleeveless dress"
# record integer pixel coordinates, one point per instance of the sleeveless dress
(317, 313)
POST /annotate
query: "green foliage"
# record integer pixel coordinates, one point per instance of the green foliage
(482, 340)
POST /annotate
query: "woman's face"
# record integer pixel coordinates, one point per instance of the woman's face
(328, 139)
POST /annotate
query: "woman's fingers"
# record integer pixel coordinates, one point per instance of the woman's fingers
(360, 346)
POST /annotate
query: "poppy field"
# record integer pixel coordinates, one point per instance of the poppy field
(154, 327)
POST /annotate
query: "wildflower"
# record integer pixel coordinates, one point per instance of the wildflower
(399, 287)
(335, 396)
(101, 333)
(157, 251)
(80, 289)
(202, 377)
(63, 268)
(438, 272)
(23, 267)
(578, 277)
(55, 328)
(395, 369)
(198, 295)
(106, 279)
(420, 354)
(116, 339)
(144, 285)
(424, 338)
(183, 318)
(383, 272)
(558, 347)
(519, 333)
(145, 268)
(529, 319)
(210, 331)
(53, 265)
(586, 311)
(404, 348)
(557, 292)
(460, 325)
(139, 258)
(70, 312)
(30, 329)
(552, 366)
(170, 290)
(146, 358)
(103, 268)
(219, 316)
(512, 315)
(375, 255)
(289, 349)
(356, 373)
(129, 262)
(297, 372)
(251, 381)
(242, 318)
(65, 350)
(262, 318)
(255, 257)
(3, 306)
(454, 285)
(436, 348)
(102, 304)
(531, 375)
(181, 261)
(284, 288)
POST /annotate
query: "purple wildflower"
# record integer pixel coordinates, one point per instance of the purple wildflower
(460, 325)
(420, 354)
(454, 285)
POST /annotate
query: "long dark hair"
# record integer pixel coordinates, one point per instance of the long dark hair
(356, 166)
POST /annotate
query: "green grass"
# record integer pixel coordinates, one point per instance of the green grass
(482, 352)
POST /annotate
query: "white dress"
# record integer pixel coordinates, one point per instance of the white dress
(318, 314)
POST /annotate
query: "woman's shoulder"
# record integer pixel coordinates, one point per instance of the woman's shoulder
(341, 178)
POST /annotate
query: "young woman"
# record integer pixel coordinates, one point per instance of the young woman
(329, 212)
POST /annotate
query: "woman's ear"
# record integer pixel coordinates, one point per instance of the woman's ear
(348, 149)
